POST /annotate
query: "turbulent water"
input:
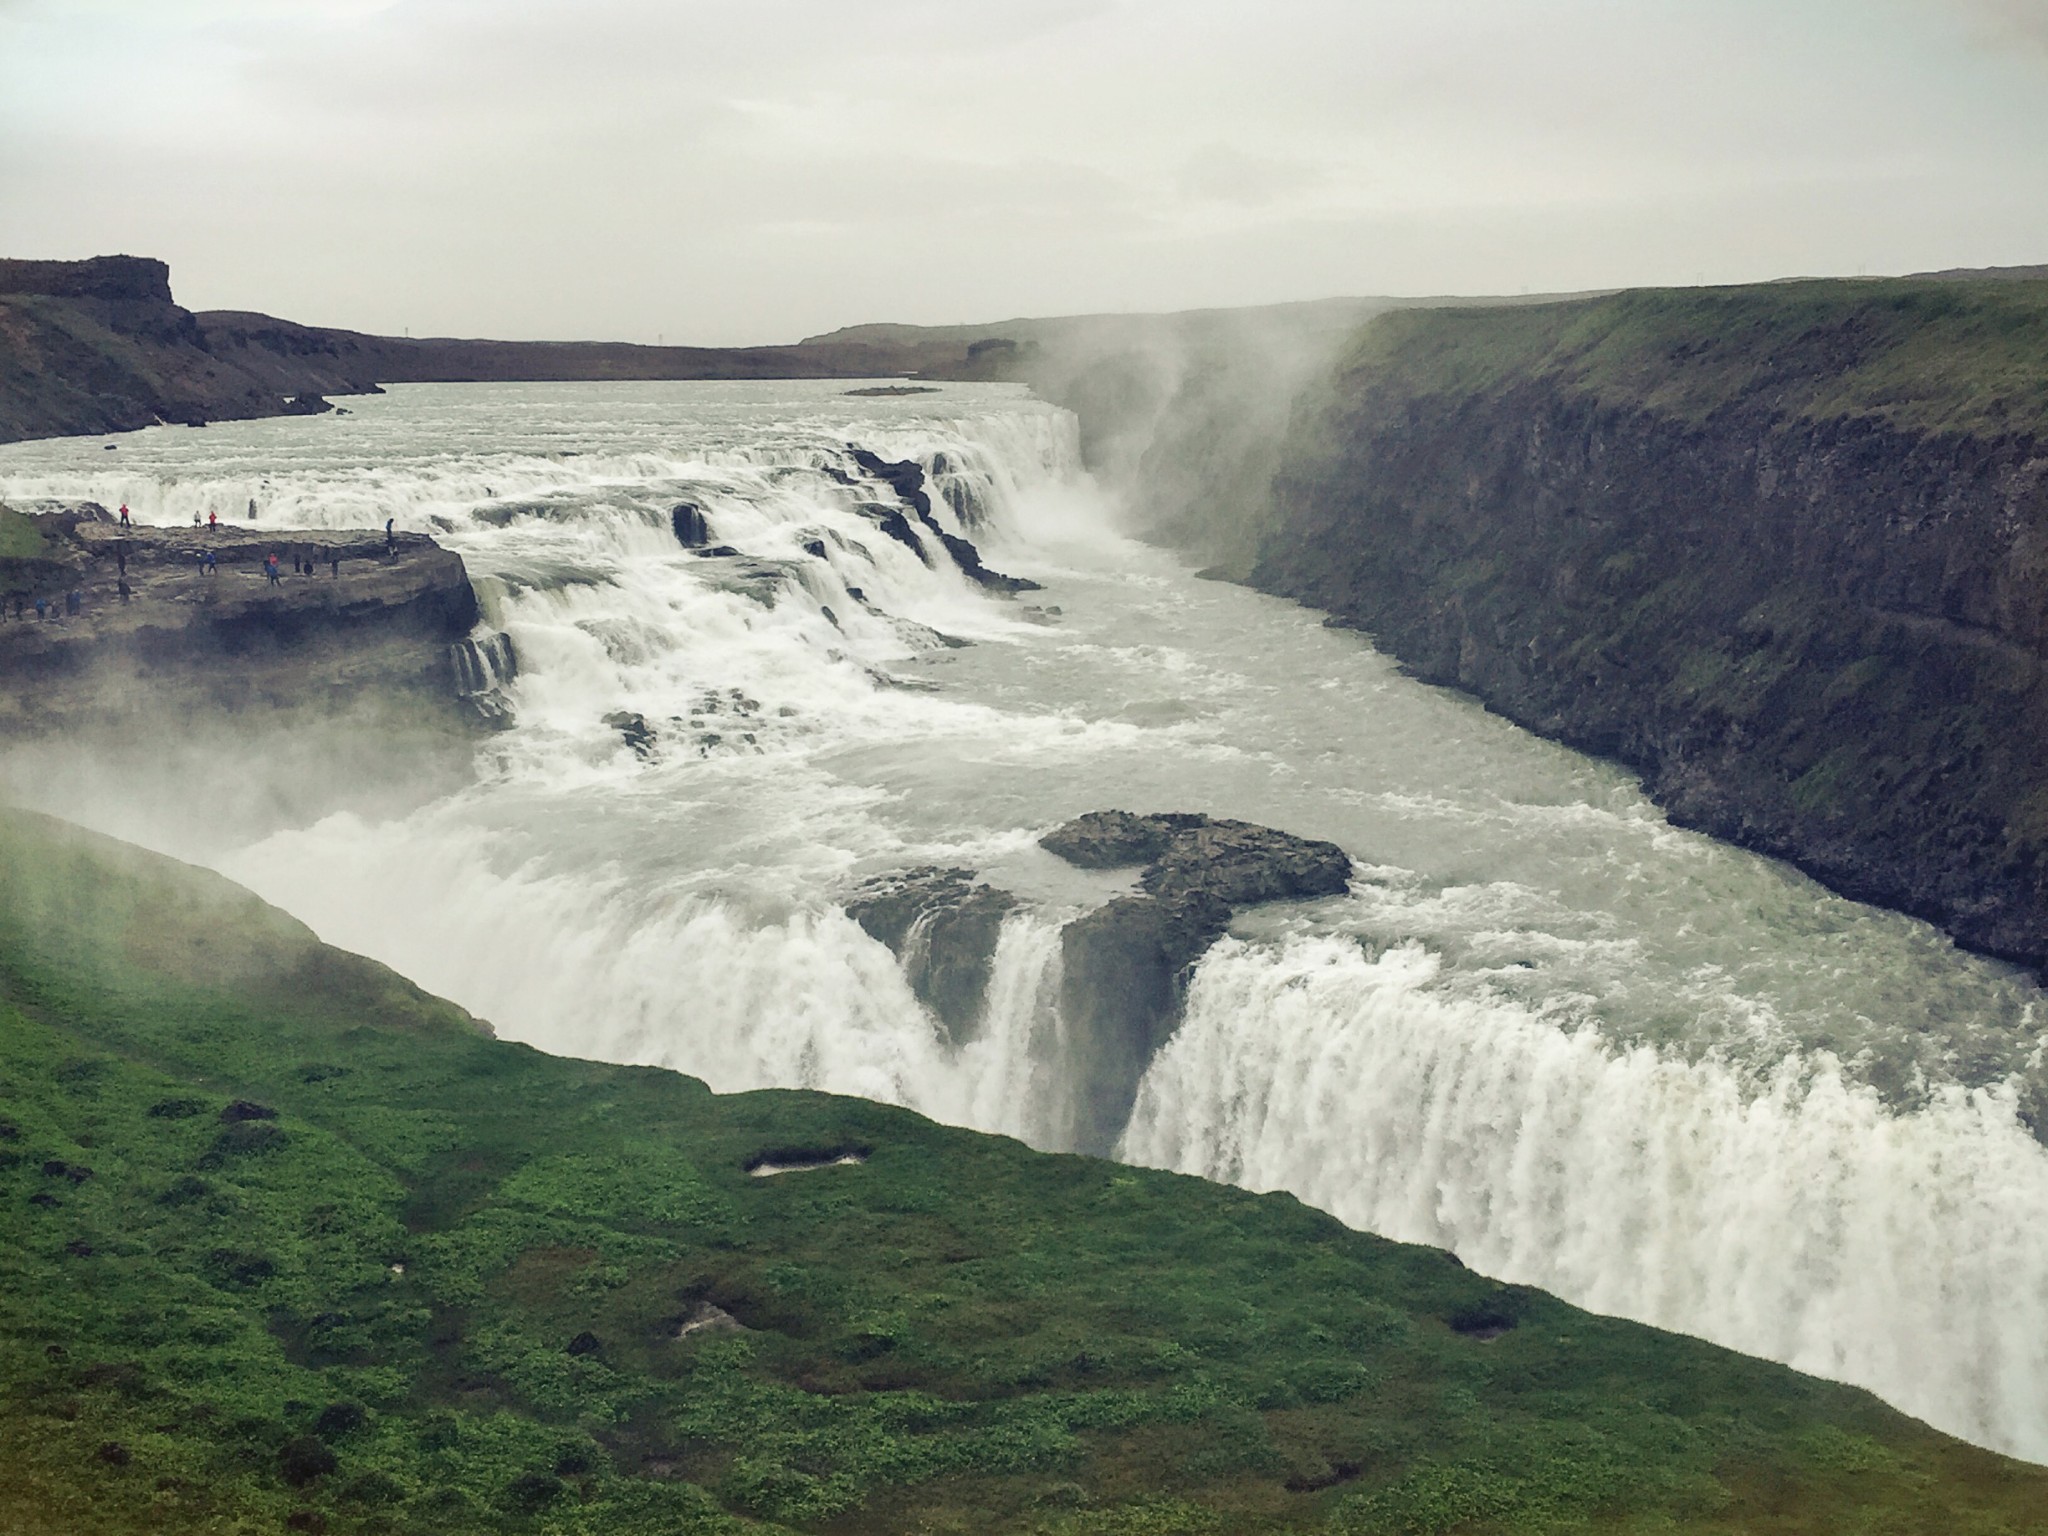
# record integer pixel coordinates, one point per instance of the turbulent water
(1587, 1051)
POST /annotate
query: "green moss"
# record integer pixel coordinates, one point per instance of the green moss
(20, 539)
(1939, 356)
(465, 1288)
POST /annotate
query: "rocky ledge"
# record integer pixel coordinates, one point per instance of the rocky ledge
(135, 618)
(1125, 964)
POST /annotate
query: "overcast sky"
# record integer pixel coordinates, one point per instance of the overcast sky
(729, 171)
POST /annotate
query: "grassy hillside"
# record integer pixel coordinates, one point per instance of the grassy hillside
(288, 1244)
(1918, 353)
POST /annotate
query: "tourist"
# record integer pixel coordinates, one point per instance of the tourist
(252, 509)
(390, 538)
(270, 570)
(42, 609)
(124, 516)
(212, 522)
(125, 590)
(208, 565)
(334, 564)
(73, 601)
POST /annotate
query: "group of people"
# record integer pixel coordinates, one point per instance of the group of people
(46, 607)
(273, 571)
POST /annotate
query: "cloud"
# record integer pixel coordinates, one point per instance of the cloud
(746, 169)
(2010, 21)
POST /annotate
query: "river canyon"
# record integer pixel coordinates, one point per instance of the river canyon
(1544, 1028)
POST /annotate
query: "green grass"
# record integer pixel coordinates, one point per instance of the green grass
(1936, 356)
(20, 539)
(440, 1291)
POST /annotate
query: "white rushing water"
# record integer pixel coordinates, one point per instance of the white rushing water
(1583, 1049)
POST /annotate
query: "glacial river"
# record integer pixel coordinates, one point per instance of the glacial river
(1583, 1049)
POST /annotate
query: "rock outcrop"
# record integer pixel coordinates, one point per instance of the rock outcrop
(1124, 965)
(396, 619)
(907, 479)
(942, 925)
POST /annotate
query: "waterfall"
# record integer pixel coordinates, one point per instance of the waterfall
(1793, 1216)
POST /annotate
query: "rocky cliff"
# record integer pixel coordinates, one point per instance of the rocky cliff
(134, 621)
(1783, 549)
(99, 346)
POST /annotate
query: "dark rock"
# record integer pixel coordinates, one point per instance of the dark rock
(721, 551)
(338, 1419)
(306, 1459)
(57, 1168)
(243, 1109)
(942, 925)
(1123, 966)
(896, 526)
(9, 1131)
(248, 1138)
(968, 558)
(1235, 861)
(634, 731)
(905, 477)
(47, 1202)
(691, 529)
(301, 405)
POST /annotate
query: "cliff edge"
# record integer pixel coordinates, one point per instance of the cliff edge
(148, 619)
(1783, 549)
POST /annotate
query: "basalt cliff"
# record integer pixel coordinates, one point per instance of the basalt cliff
(1782, 549)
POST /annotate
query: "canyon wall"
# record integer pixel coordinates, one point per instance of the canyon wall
(1782, 549)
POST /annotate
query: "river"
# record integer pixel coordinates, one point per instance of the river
(1583, 1049)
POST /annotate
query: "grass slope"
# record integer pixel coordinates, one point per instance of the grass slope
(288, 1244)
(1921, 354)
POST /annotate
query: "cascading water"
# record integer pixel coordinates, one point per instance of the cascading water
(1547, 1030)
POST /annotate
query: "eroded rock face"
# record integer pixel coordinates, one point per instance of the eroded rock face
(1124, 964)
(691, 529)
(157, 627)
(907, 479)
(942, 925)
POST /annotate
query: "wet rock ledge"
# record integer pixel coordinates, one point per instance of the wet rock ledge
(1125, 964)
(395, 621)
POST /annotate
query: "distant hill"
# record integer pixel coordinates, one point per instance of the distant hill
(101, 346)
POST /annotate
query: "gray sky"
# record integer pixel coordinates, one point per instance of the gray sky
(729, 171)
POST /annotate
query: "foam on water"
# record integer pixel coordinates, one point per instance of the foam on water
(1580, 1047)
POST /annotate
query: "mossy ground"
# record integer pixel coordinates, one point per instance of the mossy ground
(1919, 354)
(290, 1245)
